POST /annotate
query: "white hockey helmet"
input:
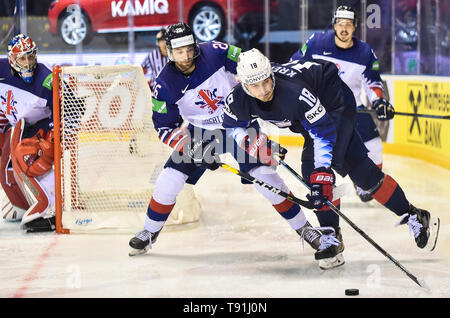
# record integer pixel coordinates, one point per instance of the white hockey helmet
(253, 67)
(344, 12)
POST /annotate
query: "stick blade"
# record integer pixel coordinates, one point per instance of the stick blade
(424, 286)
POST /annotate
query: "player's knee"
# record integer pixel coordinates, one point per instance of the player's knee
(366, 174)
(168, 185)
(270, 176)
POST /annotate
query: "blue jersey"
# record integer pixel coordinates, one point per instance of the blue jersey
(198, 98)
(357, 65)
(32, 101)
(308, 99)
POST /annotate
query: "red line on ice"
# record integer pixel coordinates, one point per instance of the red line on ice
(20, 292)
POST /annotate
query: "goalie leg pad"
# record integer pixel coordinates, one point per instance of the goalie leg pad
(37, 197)
(10, 212)
(8, 182)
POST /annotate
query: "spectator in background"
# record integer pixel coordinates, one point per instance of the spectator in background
(156, 58)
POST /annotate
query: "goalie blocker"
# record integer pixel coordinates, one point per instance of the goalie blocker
(32, 160)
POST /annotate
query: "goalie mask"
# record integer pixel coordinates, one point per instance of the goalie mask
(22, 56)
(344, 12)
(179, 35)
(253, 67)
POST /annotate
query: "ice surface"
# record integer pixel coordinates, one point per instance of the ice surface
(240, 248)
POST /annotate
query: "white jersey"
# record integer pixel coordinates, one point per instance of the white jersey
(31, 101)
(198, 98)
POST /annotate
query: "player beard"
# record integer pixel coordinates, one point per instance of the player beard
(186, 67)
(345, 34)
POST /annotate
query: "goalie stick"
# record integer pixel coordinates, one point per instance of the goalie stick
(419, 282)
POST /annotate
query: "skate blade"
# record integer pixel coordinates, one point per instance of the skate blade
(135, 252)
(332, 262)
(434, 233)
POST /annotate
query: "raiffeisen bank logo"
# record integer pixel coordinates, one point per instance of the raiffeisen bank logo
(138, 7)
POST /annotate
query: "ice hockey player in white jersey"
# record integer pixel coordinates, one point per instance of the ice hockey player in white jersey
(358, 66)
(26, 137)
(193, 87)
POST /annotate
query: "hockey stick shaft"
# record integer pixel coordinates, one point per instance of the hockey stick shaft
(370, 111)
(355, 227)
(267, 186)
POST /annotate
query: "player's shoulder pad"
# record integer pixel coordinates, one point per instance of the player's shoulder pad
(218, 48)
(366, 50)
(165, 83)
(236, 102)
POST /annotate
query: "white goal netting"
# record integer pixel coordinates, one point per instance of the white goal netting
(111, 154)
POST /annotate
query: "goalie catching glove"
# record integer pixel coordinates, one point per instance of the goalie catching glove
(385, 111)
(35, 155)
(263, 149)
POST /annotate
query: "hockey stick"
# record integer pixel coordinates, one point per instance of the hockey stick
(373, 111)
(421, 283)
(338, 191)
(265, 185)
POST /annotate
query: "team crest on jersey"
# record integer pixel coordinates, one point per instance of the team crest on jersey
(10, 103)
(209, 100)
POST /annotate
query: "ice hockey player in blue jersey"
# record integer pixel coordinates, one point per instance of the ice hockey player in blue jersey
(26, 137)
(311, 99)
(192, 87)
(358, 66)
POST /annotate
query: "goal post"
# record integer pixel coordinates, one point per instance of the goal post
(107, 153)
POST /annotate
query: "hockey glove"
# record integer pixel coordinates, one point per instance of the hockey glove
(262, 148)
(322, 181)
(201, 153)
(385, 111)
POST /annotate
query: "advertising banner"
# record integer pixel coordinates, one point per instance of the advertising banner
(429, 135)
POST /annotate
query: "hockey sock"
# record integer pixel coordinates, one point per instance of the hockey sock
(291, 213)
(168, 185)
(391, 195)
(157, 215)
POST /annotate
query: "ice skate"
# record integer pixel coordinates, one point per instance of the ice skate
(142, 242)
(364, 196)
(310, 235)
(423, 226)
(330, 250)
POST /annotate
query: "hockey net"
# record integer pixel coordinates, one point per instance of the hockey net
(107, 153)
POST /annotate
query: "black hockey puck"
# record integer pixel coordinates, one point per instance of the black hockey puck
(352, 292)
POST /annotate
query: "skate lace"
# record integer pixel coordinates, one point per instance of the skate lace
(360, 191)
(309, 234)
(328, 237)
(145, 235)
(413, 224)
